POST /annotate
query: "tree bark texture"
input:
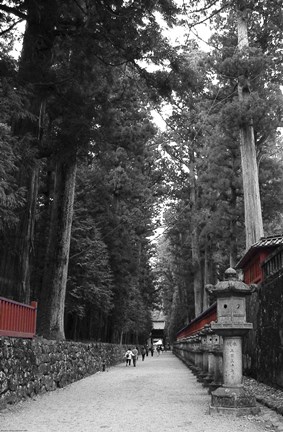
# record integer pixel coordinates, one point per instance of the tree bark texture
(52, 302)
(253, 214)
(197, 272)
(195, 246)
(25, 238)
(34, 72)
(207, 273)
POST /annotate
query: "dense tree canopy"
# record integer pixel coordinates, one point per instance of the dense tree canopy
(211, 219)
(87, 177)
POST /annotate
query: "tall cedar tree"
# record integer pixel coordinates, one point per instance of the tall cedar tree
(124, 175)
(259, 17)
(121, 26)
(222, 197)
(183, 143)
(33, 75)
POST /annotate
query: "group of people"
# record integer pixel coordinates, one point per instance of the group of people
(133, 354)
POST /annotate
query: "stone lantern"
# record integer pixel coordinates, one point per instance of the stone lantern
(204, 355)
(232, 326)
(197, 367)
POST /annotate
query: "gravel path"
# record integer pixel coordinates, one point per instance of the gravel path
(160, 394)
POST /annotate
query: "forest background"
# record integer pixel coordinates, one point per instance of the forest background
(86, 176)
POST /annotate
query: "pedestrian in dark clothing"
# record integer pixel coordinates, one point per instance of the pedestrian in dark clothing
(151, 350)
(143, 352)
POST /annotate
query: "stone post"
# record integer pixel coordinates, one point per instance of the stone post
(198, 355)
(204, 356)
(218, 363)
(192, 352)
(232, 326)
(211, 358)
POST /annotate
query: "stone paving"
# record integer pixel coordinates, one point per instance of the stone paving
(160, 394)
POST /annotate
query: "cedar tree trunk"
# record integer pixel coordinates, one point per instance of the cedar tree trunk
(195, 246)
(52, 302)
(34, 72)
(253, 215)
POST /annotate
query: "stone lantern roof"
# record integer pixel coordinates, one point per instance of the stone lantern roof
(231, 285)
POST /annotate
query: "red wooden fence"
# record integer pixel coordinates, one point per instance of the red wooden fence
(199, 322)
(17, 319)
(253, 273)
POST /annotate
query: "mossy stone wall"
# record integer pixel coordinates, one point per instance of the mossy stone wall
(30, 367)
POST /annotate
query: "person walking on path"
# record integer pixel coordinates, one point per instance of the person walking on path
(143, 352)
(151, 350)
(135, 352)
(128, 356)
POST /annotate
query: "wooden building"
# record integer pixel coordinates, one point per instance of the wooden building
(158, 326)
(251, 263)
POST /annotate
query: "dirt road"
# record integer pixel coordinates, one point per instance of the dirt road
(160, 394)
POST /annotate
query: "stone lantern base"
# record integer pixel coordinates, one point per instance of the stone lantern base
(233, 400)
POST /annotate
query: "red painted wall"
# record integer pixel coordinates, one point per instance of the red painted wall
(17, 319)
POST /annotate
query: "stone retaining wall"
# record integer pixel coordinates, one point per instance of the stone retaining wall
(30, 367)
(264, 347)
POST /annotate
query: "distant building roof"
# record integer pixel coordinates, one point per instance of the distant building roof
(271, 242)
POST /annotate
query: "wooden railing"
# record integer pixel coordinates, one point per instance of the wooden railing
(199, 322)
(273, 263)
(17, 319)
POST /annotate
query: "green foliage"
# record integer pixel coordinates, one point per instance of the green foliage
(90, 280)
(204, 156)
(110, 280)
(12, 197)
(125, 196)
(271, 181)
